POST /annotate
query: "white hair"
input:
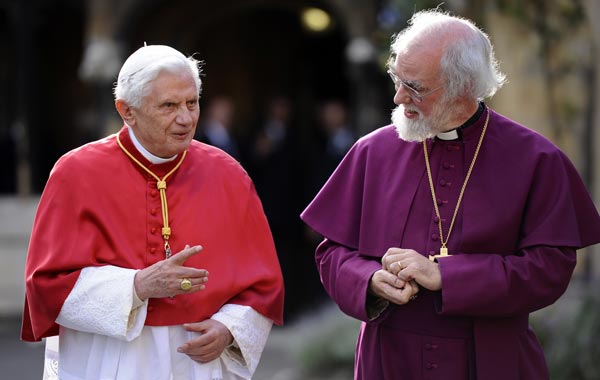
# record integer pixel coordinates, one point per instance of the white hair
(467, 65)
(144, 65)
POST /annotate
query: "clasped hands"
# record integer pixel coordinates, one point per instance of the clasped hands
(163, 279)
(403, 271)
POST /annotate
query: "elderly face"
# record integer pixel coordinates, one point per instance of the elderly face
(166, 121)
(421, 112)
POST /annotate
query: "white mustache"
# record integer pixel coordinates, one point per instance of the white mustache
(406, 108)
(410, 130)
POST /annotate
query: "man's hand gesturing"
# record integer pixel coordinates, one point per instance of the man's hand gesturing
(163, 279)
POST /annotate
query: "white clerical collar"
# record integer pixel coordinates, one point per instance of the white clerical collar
(450, 135)
(147, 155)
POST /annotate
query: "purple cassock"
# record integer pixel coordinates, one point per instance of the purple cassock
(524, 213)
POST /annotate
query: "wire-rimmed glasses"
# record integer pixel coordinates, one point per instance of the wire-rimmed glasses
(413, 93)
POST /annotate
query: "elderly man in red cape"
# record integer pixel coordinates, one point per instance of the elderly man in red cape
(444, 240)
(128, 229)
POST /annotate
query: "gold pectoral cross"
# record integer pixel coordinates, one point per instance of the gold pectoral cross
(443, 253)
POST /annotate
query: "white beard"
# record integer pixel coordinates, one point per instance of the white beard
(421, 128)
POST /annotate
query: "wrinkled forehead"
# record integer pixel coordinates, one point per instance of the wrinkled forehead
(418, 62)
(147, 55)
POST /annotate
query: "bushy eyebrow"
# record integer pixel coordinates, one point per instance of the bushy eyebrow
(166, 101)
(413, 83)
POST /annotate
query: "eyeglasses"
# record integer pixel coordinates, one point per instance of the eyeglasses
(413, 93)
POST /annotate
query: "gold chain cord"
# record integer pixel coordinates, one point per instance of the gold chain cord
(161, 185)
(462, 190)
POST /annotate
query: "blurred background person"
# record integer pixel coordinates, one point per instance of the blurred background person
(275, 164)
(216, 126)
(334, 138)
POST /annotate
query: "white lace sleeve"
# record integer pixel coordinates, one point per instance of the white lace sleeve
(250, 331)
(103, 301)
(51, 359)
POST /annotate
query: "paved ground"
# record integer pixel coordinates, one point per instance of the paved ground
(297, 351)
(18, 360)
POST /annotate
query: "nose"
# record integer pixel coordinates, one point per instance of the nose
(402, 96)
(185, 116)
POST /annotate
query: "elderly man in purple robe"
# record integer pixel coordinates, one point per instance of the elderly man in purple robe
(446, 229)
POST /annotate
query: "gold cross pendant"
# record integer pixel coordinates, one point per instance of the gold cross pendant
(443, 253)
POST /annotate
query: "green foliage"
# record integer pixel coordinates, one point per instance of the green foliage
(332, 350)
(555, 23)
(566, 12)
(407, 8)
(393, 17)
(571, 340)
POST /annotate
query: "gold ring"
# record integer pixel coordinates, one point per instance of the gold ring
(185, 284)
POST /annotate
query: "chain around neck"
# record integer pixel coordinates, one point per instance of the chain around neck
(161, 185)
(462, 190)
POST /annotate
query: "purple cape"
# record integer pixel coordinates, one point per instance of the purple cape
(524, 213)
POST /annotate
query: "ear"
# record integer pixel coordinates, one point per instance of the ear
(125, 111)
